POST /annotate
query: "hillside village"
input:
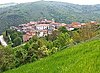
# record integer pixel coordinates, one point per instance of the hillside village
(44, 27)
(49, 37)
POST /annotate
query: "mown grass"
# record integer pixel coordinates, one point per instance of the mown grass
(83, 58)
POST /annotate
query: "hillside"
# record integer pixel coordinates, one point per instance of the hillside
(7, 5)
(82, 58)
(61, 12)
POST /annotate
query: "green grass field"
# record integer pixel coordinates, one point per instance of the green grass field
(82, 58)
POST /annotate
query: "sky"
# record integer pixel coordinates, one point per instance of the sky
(81, 2)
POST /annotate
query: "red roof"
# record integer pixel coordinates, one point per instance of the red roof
(28, 36)
(76, 23)
(32, 22)
(42, 25)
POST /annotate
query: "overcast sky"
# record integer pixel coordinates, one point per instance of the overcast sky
(81, 2)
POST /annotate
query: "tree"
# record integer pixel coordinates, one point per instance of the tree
(53, 36)
(26, 46)
(49, 44)
(84, 33)
(33, 39)
(76, 37)
(17, 41)
(6, 37)
(63, 40)
(54, 50)
(20, 55)
(6, 58)
(32, 50)
(34, 46)
(62, 29)
(41, 42)
(88, 31)
(43, 51)
(13, 36)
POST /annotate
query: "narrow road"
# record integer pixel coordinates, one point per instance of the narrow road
(2, 41)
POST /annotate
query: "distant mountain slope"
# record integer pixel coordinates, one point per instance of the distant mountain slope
(83, 58)
(7, 5)
(61, 12)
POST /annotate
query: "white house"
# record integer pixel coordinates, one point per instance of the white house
(42, 26)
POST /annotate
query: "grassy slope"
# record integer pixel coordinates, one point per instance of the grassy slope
(83, 58)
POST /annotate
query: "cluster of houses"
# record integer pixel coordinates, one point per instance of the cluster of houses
(44, 27)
